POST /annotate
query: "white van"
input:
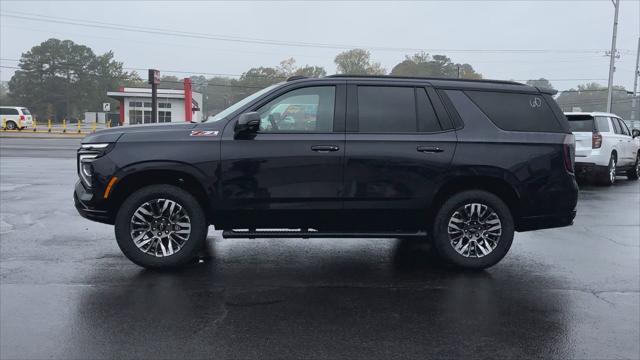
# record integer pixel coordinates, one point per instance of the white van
(14, 117)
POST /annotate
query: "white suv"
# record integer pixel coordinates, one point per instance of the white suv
(15, 117)
(605, 147)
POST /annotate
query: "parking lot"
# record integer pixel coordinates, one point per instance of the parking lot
(66, 290)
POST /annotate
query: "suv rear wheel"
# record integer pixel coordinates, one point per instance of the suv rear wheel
(634, 173)
(160, 226)
(473, 229)
(608, 176)
(11, 125)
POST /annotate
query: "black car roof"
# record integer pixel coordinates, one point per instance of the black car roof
(446, 83)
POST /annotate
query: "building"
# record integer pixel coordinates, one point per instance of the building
(173, 105)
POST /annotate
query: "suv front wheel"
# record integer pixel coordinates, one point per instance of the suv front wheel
(473, 229)
(160, 226)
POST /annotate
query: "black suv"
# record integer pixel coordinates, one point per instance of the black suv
(462, 163)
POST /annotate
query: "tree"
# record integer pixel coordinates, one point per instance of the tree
(65, 78)
(593, 97)
(541, 83)
(357, 62)
(422, 64)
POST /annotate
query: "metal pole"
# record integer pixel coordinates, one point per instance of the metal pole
(154, 103)
(634, 110)
(612, 60)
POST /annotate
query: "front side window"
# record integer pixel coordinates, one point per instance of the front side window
(9, 111)
(387, 109)
(308, 109)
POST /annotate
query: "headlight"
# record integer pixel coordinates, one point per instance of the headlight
(86, 155)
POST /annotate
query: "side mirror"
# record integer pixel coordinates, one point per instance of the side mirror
(635, 133)
(248, 123)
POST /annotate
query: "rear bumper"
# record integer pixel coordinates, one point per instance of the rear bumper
(83, 199)
(546, 221)
(587, 168)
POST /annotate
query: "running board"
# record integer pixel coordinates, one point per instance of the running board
(246, 234)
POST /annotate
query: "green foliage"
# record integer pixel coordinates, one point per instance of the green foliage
(423, 65)
(593, 97)
(541, 83)
(357, 62)
(64, 79)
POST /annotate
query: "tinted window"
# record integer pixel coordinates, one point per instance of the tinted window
(616, 126)
(603, 124)
(8, 111)
(581, 123)
(302, 110)
(387, 109)
(516, 112)
(427, 119)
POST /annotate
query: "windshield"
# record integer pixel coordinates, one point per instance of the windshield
(224, 113)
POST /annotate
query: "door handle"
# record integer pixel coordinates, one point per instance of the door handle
(325, 148)
(429, 149)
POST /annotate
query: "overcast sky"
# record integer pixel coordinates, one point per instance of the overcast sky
(490, 35)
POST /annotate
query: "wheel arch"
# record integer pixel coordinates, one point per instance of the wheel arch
(495, 185)
(177, 174)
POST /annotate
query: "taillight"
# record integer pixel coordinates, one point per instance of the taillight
(596, 140)
(568, 150)
(21, 117)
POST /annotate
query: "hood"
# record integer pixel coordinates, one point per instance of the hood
(113, 134)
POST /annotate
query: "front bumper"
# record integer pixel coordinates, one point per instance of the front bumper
(83, 200)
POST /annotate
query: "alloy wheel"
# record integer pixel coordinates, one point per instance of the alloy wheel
(474, 230)
(612, 171)
(160, 227)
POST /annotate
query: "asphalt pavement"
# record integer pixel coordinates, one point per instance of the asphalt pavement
(66, 291)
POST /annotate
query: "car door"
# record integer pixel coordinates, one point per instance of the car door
(399, 144)
(629, 156)
(294, 161)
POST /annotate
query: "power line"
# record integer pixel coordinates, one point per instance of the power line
(232, 38)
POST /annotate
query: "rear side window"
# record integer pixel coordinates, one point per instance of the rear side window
(8, 111)
(623, 127)
(386, 109)
(616, 126)
(581, 123)
(516, 112)
(427, 119)
(602, 124)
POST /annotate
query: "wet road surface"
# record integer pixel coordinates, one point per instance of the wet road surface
(67, 292)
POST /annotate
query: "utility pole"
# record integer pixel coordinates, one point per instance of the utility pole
(634, 111)
(612, 60)
(154, 80)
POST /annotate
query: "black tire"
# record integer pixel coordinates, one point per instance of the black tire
(605, 178)
(440, 232)
(634, 173)
(11, 125)
(191, 246)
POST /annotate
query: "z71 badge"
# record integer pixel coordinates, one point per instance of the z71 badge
(204, 133)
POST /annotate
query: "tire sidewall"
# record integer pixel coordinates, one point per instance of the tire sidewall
(11, 125)
(189, 250)
(441, 236)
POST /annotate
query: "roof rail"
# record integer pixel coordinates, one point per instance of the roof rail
(424, 78)
(296, 77)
